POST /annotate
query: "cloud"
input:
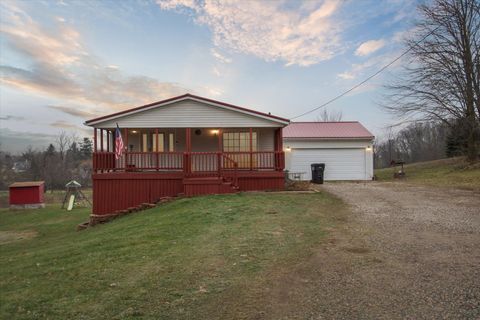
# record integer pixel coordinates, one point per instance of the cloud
(369, 47)
(10, 117)
(346, 75)
(59, 65)
(17, 141)
(220, 56)
(267, 29)
(63, 124)
(216, 72)
(74, 111)
(214, 91)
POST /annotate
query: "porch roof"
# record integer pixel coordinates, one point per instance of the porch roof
(209, 102)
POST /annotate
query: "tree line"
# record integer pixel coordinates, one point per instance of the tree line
(421, 141)
(67, 158)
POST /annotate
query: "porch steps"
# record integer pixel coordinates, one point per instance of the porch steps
(195, 186)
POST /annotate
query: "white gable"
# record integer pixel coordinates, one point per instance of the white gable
(188, 113)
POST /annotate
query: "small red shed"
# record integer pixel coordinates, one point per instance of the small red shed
(27, 195)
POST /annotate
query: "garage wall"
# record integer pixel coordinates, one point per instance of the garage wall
(344, 159)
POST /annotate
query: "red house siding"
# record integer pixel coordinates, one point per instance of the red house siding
(24, 194)
(117, 191)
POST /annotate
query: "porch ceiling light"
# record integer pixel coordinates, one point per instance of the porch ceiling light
(214, 132)
(134, 131)
(288, 149)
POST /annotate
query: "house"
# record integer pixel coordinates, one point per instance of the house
(186, 145)
(346, 148)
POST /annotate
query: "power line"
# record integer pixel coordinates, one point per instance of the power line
(367, 79)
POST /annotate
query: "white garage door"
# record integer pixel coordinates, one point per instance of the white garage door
(340, 164)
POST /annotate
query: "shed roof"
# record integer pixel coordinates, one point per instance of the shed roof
(326, 130)
(26, 184)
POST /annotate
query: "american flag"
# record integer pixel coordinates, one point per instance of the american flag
(118, 143)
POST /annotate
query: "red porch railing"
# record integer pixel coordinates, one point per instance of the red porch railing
(196, 163)
(137, 161)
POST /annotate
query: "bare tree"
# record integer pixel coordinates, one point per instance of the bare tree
(329, 116)
(415, 142)
(62, 141)
(441, 80)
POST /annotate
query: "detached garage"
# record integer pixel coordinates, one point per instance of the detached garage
(345, 148)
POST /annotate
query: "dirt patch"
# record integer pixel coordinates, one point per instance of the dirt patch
(291, 185)
(12, 236)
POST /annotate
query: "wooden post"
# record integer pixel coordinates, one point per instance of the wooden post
(279, 157)
(220, 152)
(188, 148)
(125, 133)
(251, 149)
(101, 140)
(94, 139)
(280, 139)
(220, 135)
(108, 140)
(275, 144)
(156, 146)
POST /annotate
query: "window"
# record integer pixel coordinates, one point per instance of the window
(161, 146)
(171, 142)
(162, 143)
(239, 141)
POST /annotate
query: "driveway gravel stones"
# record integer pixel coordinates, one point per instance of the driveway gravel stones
(405, 252)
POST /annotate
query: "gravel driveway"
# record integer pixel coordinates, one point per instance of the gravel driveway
(406, 252)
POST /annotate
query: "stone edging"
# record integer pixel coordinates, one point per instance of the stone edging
(104, 218)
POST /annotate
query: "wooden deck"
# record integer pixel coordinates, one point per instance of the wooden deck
(146, 177)
(114, 191)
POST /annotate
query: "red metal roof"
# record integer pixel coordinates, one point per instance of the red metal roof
(188, 95)
(26, 184)
(327, 130)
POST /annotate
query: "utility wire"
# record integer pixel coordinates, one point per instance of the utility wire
(367, 79)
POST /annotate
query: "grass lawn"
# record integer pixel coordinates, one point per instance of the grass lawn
(454, 172)
(204, 258)
(51, 196)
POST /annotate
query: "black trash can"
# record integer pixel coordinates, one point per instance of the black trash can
(318, 170)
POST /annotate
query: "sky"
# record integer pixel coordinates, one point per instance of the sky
(63, 62)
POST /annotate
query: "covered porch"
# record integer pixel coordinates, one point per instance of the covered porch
(193, 151)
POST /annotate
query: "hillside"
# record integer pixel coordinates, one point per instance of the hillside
(205, 257)
(452, 172)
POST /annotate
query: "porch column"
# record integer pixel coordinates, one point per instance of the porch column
(220, 152)
(125, 133)
(156, 146)
(101, 140)
(220, 140)
(279, 156)
(251, 150)
(188, 149)
(108, 140)
(94, 139)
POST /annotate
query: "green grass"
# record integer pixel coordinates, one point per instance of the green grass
(205, 257)
(454, 172)
(51, 196)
